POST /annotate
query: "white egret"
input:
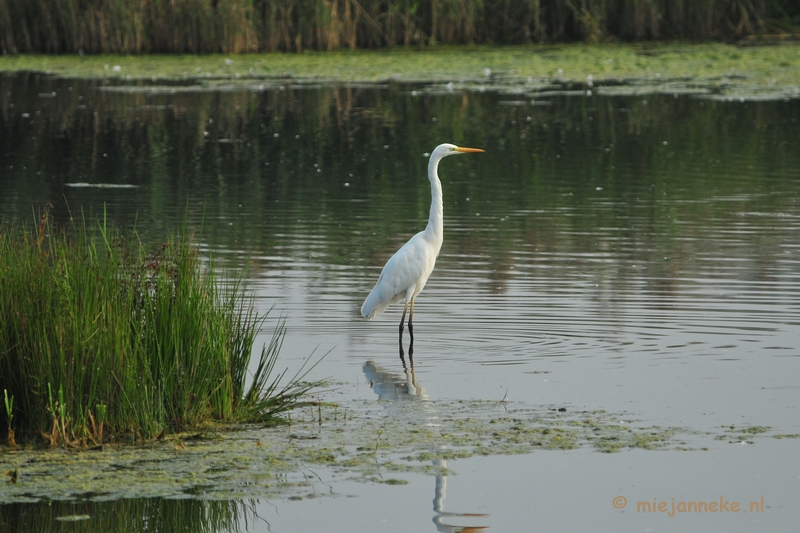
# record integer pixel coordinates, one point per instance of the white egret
(405, 273)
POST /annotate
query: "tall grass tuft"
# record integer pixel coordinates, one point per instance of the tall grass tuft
(235, 26)
(101, 336)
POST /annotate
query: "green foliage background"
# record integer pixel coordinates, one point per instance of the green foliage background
(235, 26)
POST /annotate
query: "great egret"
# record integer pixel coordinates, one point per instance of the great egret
(405, 273)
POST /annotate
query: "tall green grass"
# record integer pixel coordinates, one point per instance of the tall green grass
(102, 336)
(236, 26)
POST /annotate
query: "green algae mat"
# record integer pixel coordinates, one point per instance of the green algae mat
(723, 70)
(372, 441)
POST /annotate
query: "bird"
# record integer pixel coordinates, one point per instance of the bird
(405, 273)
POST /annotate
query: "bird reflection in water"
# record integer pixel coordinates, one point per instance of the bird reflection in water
(438, 506)
(396, 388)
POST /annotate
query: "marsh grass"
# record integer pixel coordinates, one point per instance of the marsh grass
(236, 26)
(102, 336)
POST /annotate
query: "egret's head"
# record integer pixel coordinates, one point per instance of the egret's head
(444, 150)
(451, 149)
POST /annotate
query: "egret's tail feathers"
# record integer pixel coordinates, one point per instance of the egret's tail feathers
(373, 307)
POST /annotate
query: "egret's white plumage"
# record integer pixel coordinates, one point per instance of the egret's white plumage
(406, 272)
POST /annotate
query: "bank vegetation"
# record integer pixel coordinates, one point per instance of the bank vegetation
(237, 26)
(103, 337)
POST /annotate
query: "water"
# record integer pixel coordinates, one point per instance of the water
(639, 255)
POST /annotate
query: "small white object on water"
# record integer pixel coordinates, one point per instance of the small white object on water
(102, 185)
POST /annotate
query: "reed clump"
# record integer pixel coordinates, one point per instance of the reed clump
(236, 26)
(103, 337)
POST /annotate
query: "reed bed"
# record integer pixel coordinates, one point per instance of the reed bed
(237, 26)
(102, 337)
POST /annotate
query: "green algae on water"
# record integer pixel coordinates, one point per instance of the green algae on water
(374, 443)
(712, 69)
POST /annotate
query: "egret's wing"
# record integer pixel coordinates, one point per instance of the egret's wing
(403, 270)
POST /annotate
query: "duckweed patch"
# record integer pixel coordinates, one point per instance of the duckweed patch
(376, 439)
(711, 70)
(742, 434)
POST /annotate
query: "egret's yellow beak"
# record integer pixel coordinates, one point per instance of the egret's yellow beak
(467, 150)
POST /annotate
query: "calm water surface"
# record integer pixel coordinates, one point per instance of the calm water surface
(639, 255)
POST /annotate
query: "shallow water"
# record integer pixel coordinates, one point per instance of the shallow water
(633, 254)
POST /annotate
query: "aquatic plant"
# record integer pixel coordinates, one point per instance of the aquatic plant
(236, 26)
(102, 336)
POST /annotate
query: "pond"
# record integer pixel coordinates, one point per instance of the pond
(635, 256)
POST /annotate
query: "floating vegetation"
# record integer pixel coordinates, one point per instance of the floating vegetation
(102, 338)
(375, 441)
(744, 434)
(712, 70)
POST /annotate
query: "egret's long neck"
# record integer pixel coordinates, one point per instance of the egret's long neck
(436, 220)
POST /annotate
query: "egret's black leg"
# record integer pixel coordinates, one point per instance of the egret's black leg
(410, 317)
(402, 320)
(411, 333)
